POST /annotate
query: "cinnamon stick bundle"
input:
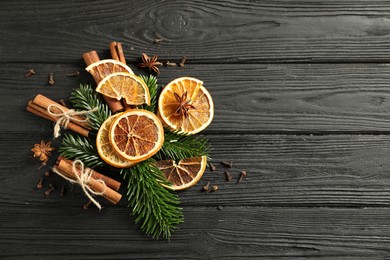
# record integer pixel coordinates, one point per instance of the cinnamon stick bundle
(109, 194)
(113, 184)
(40, 104)
(114, 104)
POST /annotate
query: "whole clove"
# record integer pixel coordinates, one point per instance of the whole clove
(62, 193)
(86, 205)
(30, 72)
(212, 167)
(157, 40)
(206, 187)
(43, 164)
(227, 164)
(51, 79)
(214, 188)
(62, 102)
(40, 183)
(51, 188)
(170, 64)
(228, 176)
(242, 176)
(182, 61)
(73, 74)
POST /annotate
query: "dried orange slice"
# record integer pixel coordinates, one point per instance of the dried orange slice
(104, 148)
(185, 174)
(124, 85)
(136, 134)
(186, 105)
(103, 68)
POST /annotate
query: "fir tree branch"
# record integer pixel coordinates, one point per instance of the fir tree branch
(156, 208)
(86, 98)
(151, 82)
(79, 147)
(179, 146)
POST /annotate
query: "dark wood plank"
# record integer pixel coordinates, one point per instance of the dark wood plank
(233, 232)
(334, 171)
(275, 98)
(205, 31)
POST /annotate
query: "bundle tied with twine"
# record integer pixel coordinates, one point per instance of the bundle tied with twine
(82, 178)
(64, 117)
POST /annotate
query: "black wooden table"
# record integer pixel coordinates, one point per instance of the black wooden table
(301, 92)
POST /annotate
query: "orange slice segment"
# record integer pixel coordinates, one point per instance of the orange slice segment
(124, 85)
(104, 148)
(186, 105)
(185, 174)
(136, 134)
(103, 68)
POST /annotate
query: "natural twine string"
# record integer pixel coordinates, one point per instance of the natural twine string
(82, 178)
(66, 116)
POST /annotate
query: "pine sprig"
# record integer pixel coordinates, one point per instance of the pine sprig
(151, 82)
(155, 207)
(179, 146)
(80, 147)
(86, 98)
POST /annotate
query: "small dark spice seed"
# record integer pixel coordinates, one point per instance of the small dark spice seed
(227, 164)
(86, 205)
(51, 79)
(51, 188)
(74, 74)
(30, 72)
(212, 167)
(228, 176)
(40, 183)
(47, 174)
(182, 62)
(206, 187)
(242, 176)
(62, 193)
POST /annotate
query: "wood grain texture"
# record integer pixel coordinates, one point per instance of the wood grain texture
(208, 233)
(274, 98)
(301, 91)
(283, 170)
(206, 31)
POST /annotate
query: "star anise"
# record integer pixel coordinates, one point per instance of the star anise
(184, 105)
(42, 151)
(150, 63)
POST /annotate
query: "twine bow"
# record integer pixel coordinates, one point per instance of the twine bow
(66, 116)
(83, 177)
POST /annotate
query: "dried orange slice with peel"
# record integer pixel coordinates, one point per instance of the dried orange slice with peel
(185, 174)
(125, 85)
(185, 105)
(104, 148)
(136, 134)
(103, 68)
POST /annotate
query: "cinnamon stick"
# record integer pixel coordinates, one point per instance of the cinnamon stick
(117, 52)
(39, 111)
(45, 102)
(108, 193)
(113, 184)
(114, 104)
